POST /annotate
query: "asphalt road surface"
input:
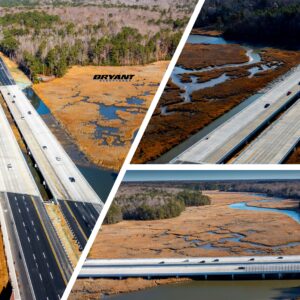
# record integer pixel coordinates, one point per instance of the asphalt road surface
(42, 263)
(5, 77)
(81, 218)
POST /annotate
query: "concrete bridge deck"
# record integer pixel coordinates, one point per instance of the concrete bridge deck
(61, 174)
(274, 144)
(190, 266)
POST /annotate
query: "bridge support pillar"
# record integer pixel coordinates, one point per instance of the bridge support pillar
(232, 276)
(149, 277)
(263, 276)
(279, 275)
(205, 276)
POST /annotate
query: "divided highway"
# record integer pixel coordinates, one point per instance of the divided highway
(60, 174)
(274, 144)
(226, 139)
(173, 267)
(41, 263)
(46, 274)
(29, 226)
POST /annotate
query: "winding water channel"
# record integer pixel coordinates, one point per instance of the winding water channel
(190, 87)
(234, 290)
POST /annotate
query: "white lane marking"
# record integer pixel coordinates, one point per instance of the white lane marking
(44, 255)
(38, 237)
(19, 211)
(51, 275)
(28, 239)
(33, 256)
(23, 224)
(41, 277)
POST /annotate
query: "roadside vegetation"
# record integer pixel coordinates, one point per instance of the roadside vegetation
(46, 40)
(153, 204)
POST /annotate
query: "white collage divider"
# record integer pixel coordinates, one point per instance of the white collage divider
(133, 148)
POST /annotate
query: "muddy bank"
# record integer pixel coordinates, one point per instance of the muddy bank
(182, 117)
(102, 117)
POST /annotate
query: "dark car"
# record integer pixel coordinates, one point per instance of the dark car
(29, 112)
(241, 268)
(288, 93)
(72, 179)
(252, 259)
(279, 257)
(202, 262)
(267, 105)
(216, 260)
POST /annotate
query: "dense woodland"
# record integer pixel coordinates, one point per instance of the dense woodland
(153, 204)
(160, 200)
(47, 40)
(275, 22)
(279, 188)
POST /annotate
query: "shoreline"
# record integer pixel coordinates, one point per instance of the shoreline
(166, 238)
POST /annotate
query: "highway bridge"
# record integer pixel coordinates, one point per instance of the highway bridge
(67, 185)
(40, 263)
(274, 144)
(228, 138)
(205, 267)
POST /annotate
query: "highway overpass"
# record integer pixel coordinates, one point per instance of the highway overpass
(68, 186)
(219, 145)
(191, 267)
(40, 263)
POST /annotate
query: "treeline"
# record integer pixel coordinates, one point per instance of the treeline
(43, 44)
(258, 21)
(276, 188)
(153, 204)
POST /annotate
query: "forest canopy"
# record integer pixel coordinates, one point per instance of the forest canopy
(46, 40)
(261, 21)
